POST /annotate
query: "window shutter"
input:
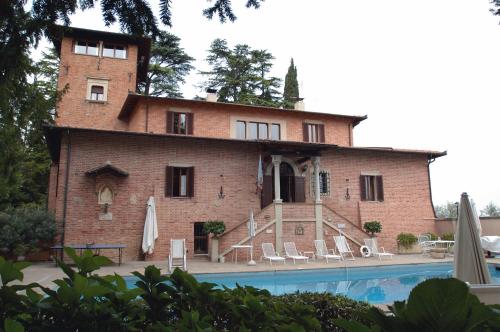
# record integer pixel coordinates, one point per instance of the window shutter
(190, 176)
(190, 123)
(169, 181)
(380, 189)
(300, 190)
(321, 133)
(362, 187)
(267, 191)
(305, 131)
(170, 122)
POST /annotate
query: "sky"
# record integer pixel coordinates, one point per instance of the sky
(425, 72)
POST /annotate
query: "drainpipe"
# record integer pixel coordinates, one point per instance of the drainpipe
(66, 181)
(430, 160)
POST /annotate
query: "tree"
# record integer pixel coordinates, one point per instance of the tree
(490, 210)
(448, 210)
(291, 90)
(241, 74)
(168, 66)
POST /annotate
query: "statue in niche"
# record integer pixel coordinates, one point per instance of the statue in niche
(105, 199)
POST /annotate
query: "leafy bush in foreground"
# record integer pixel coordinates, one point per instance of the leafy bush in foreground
(328, 307)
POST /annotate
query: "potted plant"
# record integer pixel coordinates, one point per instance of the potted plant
(406, 243)
(372, 227)
(216, 228)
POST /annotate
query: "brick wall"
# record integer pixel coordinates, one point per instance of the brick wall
(74, 70)
(215, 120)
(407, 206)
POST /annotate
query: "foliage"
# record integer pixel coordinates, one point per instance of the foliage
(241, 75)
(329, 307)
(434, 305)
(491, 210)
(168, 66)
(448, 236)
(26, 230)
(448, 210)
(406, 240)
(291, 89)
(84, 301)
(372, 227)
(215, 227)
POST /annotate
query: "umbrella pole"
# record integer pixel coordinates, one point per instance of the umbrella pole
(251, 261)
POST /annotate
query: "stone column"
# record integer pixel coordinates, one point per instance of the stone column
(278, 204)
(318, 206)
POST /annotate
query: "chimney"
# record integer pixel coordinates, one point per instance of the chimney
(211, 95)
(299, 105)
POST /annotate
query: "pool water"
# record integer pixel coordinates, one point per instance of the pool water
(376, 285)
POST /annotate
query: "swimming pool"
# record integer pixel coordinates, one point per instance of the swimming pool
(376, 285)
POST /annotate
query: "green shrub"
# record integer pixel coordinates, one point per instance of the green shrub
(448, 237)
(406, 240)
(440, 305)
(372, 227)
(26, 230)
(215, 227)
(329, 307)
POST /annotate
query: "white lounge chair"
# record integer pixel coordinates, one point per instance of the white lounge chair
(177, 256)
(343, 287)
(343, 247)
(372, 244)
(487, 294)
(322, 251)
(291, 252)
(268, 252)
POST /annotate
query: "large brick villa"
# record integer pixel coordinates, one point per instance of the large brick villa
(113, 148)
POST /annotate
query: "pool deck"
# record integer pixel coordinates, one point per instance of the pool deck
(44, 273)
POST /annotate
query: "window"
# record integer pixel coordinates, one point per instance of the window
(241, 129)
(372, 188)
(275, 132)
(314, 133)
(97, 93)
(324, 183)
(252, 130)
(180, 123)
(97, 90)
(179, 182)
(263, 130)
(85, 47)
(114, 51)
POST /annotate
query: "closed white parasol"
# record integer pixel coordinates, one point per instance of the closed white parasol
(150, 228)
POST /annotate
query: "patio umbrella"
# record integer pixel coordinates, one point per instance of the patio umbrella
(150, 228)
(470, 265)
(251, 233)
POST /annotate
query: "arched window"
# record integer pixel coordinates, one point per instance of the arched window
(97, 93)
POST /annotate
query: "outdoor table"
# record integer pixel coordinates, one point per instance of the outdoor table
(97, 247)
(239, 246)
(441, 243)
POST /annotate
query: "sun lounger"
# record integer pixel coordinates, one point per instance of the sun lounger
(177, 256)
(487, 294)
(322, 251)
(372, 244)
(343, 247)
(268, 252)
(291, 252)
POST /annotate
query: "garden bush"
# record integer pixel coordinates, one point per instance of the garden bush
(25, 230)
(448, 237)
(215, 227)
(329, 307)
(372, 227)
(406, 240)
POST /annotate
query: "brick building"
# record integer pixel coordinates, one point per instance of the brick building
(113, 148)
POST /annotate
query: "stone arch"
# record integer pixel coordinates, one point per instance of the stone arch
(293, 164)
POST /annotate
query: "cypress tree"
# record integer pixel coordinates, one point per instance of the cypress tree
(291, 90)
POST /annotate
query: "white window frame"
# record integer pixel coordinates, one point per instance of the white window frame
(97, 82)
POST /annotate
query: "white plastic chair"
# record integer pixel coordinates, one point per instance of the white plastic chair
(291, 252)
(425, 244)
(268, 252)
(487, 294)
(372, 244)
(177, 256)
(343, 247)
(322, 251)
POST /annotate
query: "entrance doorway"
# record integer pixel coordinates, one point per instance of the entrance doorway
(287, 183)
(200, 239)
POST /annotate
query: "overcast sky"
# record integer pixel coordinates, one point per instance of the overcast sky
(425, 72)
